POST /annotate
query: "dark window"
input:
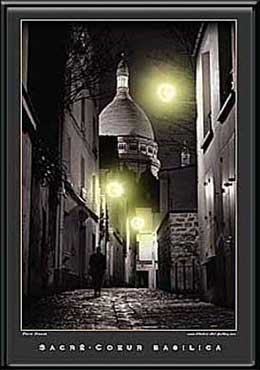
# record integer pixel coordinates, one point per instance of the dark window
(133, 146)
(225, 60)
(150, 150)
(93, 242)
(142, 278)
(83, 114)
(211, 273)
(82, 172)
(121, 146)
(143, 148)
(206, 93)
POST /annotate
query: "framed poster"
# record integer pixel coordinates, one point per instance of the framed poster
(128, 184)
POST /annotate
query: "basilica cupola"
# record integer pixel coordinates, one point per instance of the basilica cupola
(124, 119)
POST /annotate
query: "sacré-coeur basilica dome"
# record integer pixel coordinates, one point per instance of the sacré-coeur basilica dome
(123, 118)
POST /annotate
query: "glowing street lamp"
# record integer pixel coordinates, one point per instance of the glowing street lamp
(137, 223)
(166, 92)
(115, 189)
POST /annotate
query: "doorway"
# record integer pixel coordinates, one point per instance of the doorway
(142, 279)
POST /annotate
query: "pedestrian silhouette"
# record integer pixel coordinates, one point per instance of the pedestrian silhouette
(97, 267)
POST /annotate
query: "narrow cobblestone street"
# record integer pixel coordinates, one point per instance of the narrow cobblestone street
(125, 309)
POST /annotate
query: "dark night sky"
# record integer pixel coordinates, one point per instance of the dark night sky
(159, 52)
(156, 52)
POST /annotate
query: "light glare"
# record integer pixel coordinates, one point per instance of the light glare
(115, 189)
(137, 223)
(166, 92)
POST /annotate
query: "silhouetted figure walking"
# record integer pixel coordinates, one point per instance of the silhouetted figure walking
(97, 265)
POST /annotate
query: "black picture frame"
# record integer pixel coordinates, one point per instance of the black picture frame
(18, 348)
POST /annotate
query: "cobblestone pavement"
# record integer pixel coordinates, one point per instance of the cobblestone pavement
(125, 309)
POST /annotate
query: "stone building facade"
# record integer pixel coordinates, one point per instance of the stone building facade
(178, 232)
(178, 189)
(216, 87)
(178, 241)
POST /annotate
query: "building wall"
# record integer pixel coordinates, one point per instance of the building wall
(41, 254)
(78, 144)
(178, 189)
(115, 261)
(81, 202)
(25, 41)
(28, 128)
(79, 243)
(178, 258)
(177, 235)
(26, 173)
(216, 175)
(26, 205)
(40, 156)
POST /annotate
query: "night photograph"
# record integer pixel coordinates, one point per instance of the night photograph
(129, 178)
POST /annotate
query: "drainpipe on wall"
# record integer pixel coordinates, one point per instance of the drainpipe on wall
(127, 259)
